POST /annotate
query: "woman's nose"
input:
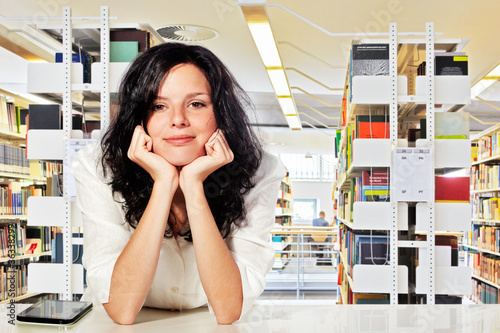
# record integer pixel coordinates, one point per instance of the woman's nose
(178, 117)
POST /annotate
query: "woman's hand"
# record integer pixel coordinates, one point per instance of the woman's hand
(218, 155)
(141, 152)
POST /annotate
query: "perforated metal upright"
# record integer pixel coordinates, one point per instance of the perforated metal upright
(429, 51)
(105, 103)
(393, 108)
(67, 124)
(67, 119)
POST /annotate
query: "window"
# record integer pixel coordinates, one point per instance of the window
(304, 210)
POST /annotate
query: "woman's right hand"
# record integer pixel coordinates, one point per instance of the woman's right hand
(141, 152)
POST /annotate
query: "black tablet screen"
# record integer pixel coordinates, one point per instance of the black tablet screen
(55, 312)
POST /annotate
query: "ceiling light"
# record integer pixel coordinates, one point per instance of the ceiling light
(260, 28)
(288, 106)
(264, 40)
(279, 82)
(294, 122)
(485, 82)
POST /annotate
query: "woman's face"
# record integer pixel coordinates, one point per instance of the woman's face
(183, 117)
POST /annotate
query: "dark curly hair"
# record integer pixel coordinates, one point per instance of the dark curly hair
(225, 188)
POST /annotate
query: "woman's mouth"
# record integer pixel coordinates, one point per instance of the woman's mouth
(179, 140)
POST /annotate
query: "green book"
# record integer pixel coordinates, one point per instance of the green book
(18, 119)
(123, 51)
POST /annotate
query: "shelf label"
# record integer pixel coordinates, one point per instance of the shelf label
(412, 174)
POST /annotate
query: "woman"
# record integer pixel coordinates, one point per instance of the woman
(178, 198)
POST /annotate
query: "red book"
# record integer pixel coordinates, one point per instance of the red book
(377, 178)
(452, 189)
(372, 127)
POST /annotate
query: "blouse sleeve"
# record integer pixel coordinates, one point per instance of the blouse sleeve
(105, 231)
(249, 244)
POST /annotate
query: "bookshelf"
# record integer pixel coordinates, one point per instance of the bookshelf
(282, 243)
(82, 90)
(63, 83)
(377, 198)
(19, 180)
(482, 242)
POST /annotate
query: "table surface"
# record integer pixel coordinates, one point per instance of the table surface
(289, 316)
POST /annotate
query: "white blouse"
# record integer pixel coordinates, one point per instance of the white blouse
(176, 284)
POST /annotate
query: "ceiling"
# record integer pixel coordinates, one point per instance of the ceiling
(315, 62)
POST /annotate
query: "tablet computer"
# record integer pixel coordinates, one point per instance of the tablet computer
(55, 312)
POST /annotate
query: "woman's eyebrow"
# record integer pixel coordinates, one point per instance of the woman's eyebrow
(196, 94)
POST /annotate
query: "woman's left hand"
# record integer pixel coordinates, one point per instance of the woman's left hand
(218, 155)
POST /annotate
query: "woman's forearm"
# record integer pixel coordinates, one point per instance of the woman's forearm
(218, 271)
(135, 268)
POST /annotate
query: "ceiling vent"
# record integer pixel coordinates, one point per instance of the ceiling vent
(187, 33)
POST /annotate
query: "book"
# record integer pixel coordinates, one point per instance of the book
(372, 127)
(123, 51)
(140, 36)
(376, 178)
(374, 254)
(452, 189)
(370, 59)
(84, 58)
(44, 116)
(451, 64)
(451, 125)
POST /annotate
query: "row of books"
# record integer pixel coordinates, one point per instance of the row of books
(370, 186)
(374, 186)
(483, 177)
(484, 265)
(374, 125)
(10, 116)
(26, 239)
(13, 160)
(284, 220)
(363, 249)
(13, 281)
(483, 293)
(484, 237)
(285, 191)
(14, 197)
(357, 298)
(12, 238)
(283, 203)
(485, 208)
(488, 146)
(373, 60)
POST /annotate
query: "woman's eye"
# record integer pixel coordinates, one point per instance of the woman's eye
(197, 105)
(159, 107)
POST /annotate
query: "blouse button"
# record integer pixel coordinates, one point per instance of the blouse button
(175, 289)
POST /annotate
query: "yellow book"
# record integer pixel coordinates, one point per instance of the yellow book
(473, 152)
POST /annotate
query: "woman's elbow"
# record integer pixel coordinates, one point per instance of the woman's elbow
(120, 316)
(227, 317)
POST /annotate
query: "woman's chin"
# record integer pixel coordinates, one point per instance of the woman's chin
(181, 161)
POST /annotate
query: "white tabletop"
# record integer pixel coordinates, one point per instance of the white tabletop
(290, 316)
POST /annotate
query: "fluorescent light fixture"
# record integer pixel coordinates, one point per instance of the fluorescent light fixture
(288, 106)
(279, 82)
(266, 45)
(293, 122)
(260, 28)
(485, 82)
